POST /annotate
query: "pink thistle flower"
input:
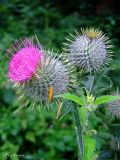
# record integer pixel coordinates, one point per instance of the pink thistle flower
(24, 61)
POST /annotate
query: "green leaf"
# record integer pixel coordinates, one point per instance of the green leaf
(71, 97)
(106, 99)
(14, 156)
(30, 136)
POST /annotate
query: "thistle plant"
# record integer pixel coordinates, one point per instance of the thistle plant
(90, 52)
(37, 74)
(42, 77)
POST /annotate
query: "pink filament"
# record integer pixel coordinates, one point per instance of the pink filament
(24, 63)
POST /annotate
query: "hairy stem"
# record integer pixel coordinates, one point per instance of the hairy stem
(78, 131)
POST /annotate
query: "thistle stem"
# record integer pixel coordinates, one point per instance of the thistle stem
(91, 84)
(78, 131)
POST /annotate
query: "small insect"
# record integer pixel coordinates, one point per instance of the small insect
(50, 93)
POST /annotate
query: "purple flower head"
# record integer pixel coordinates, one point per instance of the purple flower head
(26, 57)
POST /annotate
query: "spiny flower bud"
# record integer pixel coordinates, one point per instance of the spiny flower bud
(114, 108)
(39, 75)
(115, 143)
(88, 50)
(52, 78)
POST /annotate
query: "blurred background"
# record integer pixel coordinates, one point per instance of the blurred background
(37, 134)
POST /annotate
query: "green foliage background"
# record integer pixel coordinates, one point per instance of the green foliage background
(37, 134)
